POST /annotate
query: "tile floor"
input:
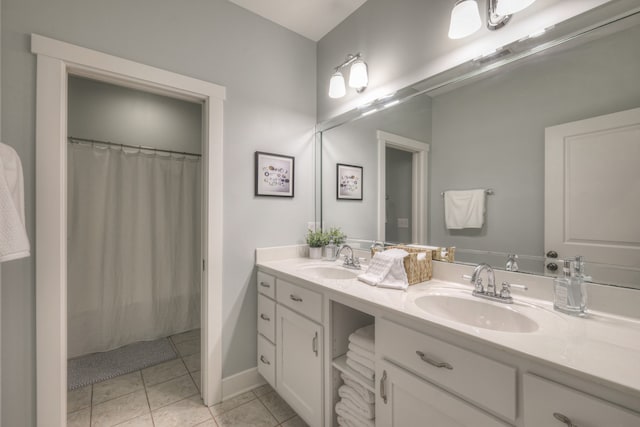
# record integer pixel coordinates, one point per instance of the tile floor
(167, 395)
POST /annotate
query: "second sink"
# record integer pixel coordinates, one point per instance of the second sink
(331, 272)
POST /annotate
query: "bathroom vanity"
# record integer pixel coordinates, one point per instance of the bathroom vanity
(443, 355)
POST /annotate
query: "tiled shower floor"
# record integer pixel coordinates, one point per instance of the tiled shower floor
(167, 395)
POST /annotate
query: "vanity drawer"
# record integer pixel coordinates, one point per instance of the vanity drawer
(267, 360)
(483, 381)
(267, 317)
(304, 301)
(546, 403)
(266, 284)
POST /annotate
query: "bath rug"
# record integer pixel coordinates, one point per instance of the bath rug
(96, 367)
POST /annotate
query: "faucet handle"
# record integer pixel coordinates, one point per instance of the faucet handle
(505, 292)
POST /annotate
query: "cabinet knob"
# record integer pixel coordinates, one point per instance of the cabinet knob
(264, 360)
(265, 285)
(552, 254)
(552, 266)
(295, 298)
(563, 418)
(265, 317)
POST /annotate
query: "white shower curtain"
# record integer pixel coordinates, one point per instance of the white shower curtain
(133, 247)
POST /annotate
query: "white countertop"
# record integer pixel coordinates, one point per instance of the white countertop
(602, 347)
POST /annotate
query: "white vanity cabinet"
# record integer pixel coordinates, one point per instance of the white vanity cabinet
(290, 344)
(547, 403)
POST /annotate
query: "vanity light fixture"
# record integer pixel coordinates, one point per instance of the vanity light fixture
(358, 76)
(465, 17)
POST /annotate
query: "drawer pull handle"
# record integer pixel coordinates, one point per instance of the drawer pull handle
(383, 388)
(264, 360)
(314, 344)
(265, 285)
(265, 317)
(295, 298)
(432, 362)
(563, 418)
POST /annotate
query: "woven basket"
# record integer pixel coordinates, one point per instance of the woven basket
(417, 270)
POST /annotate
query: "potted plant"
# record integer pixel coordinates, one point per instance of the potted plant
(338, 237)
(316, 241)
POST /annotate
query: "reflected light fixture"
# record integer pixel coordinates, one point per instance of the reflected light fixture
(465, 17)
(358, 76)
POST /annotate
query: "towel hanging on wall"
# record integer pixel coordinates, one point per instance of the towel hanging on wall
(464, 209)
(14, 243)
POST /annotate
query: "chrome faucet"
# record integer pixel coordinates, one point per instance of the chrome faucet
(490, 293)
(350, 261)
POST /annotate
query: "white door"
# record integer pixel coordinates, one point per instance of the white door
(299, 364)
(592, 195)
(404, 400)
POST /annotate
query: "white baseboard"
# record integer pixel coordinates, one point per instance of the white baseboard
(241, 382)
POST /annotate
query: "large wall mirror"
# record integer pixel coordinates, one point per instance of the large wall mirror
(551, 127)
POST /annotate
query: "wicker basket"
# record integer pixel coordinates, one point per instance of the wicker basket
(417, 270)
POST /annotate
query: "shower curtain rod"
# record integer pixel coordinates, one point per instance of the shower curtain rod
(73, 139)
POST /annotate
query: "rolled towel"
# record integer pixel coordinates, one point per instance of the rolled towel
(368, 363)
(361, 369)
(364, 337)
(351, 397)
(344, 423)
(366, 395)
(360, 412)
(345, 412)
(362, 352)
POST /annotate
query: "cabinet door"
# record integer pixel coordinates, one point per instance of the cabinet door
(405, 400)
(550, 404)
(299, 364)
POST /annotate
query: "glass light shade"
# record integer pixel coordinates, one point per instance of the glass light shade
(465, 19)
(336, 85)
(508, 7)
(358, 77)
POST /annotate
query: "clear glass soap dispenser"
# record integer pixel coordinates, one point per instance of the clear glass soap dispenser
(330, 251)
(570, 296)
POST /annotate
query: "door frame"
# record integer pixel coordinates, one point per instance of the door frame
(55, 62)
(419, 188)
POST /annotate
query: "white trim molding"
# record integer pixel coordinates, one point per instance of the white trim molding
(419, 188)
(241, 382)
(55, 62)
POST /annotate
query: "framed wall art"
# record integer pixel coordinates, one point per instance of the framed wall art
(349, 180)
(274, 175)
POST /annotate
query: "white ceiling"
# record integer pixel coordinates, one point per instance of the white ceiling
(310, 18)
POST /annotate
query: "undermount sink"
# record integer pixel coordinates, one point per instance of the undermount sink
(332, 272)
(476, 312)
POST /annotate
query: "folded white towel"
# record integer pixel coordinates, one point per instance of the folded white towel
(364, 337)
(347, 414)
(353, 382)
(464, 209)
(351, 397)
(14, 242)
(361, 360)
(378, 269)
(361, 351)
(386, 270)
(361, 369)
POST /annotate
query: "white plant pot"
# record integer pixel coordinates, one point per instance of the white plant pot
(315, 253)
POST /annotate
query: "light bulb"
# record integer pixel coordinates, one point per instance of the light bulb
(509, 7)
(336, 85)
(358, 77)
(465, 19)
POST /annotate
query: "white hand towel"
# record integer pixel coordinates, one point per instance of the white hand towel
(14, 242)
(345, 412)
(361, 369)
(364, 337)
(386, 270)
(352, 382)
(464, 209)
(360, 351)
(361, 360)
(367, 410)
(378, 269)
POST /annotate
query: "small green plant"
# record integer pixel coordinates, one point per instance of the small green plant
(317, 239)
(337, 235)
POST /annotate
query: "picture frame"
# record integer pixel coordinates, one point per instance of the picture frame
(274, 175)
(348, 182)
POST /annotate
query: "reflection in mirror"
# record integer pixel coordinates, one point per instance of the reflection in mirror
(489, 132)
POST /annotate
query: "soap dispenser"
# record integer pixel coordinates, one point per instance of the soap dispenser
(569, 293)
(330, 251)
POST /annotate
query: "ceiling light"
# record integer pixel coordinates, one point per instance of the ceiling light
(336, 85)
(358, 76)
(509, 7)
(465, 19)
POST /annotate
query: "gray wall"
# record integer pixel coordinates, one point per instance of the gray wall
(405, 41)
(269, 73)
(113, 113)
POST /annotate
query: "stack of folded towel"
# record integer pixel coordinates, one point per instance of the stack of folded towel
(386, 270)
(356, 407)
